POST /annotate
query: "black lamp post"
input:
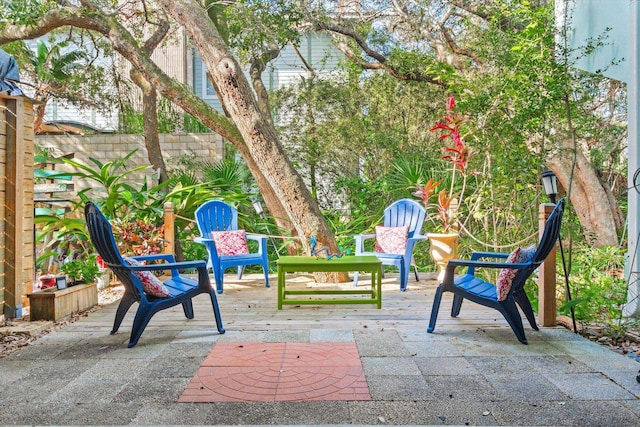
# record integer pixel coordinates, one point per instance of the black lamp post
(550, 183)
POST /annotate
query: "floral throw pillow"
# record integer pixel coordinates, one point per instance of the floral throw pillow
(150, 283)
(391, 240)
(232, 242)
(506, 276)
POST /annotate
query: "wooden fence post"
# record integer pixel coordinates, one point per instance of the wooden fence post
(16, 210)
(547, 276)
(169, 228)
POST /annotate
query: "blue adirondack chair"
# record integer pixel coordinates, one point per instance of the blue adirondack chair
(216, 215)
(471, 287)
(404, 212)
(181, 289)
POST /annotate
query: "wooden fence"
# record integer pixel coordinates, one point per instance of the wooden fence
(16, 204)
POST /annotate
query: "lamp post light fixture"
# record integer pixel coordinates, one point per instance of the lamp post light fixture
(257, 206)
(550, 183)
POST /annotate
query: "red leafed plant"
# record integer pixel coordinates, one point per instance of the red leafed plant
(137, 237)
(458, 153)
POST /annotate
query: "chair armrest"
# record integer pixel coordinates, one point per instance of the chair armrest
(472, 265)
(411, 242)
(155, 257)
(360, 238)
(256, 237)
(170, 266)
(477, 255)
(210, 244)
(201, 266)
(261, 239)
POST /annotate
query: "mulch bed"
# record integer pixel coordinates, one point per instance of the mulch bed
(627, 343)
(16, 337)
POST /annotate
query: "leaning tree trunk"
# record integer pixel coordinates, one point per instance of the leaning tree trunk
(190, 103)
(597, 209)
(38, 115)
(150, 124)
(257, 131)
(249, 131)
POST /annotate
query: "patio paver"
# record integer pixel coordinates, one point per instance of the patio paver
(462, 374)
(259, 372)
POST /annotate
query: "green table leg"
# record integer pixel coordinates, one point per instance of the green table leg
(376, 280)
(281, 275)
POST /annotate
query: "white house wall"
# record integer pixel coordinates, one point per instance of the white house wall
(59, 111)
(286, 69)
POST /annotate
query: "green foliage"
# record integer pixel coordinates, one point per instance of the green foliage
(598, 285)
(26, 12)
(81, 270)
(193, 125)
(131, 121)
(58, 236)
(169, 118)
(63, 66)
(52, 65)
(227, 175)
(110, 177)
(254, 27)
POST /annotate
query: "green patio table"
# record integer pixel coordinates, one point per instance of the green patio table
(311, 264)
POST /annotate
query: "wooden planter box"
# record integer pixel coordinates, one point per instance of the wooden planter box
(54, 304)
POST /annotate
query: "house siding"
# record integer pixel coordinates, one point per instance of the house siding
(286, 69)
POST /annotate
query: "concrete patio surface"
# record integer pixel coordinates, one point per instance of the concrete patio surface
(471, 371)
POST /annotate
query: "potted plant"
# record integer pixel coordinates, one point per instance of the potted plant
(444, 242)
(81, 270)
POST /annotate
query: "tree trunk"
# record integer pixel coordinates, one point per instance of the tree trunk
(38, 116)
(597, 209)
(261, 142)
(249, 131)
(150, 125)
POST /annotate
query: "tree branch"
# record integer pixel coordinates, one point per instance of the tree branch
(413, 75)
(256, 68)
(458, 50)
(55, 18)
(152, 42)
(350, 33)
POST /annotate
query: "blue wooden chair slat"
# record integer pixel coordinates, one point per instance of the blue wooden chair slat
(179, 285)
(473, 288)
(404, 212)
(479, 287)
(181, 289)
(217, 215)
